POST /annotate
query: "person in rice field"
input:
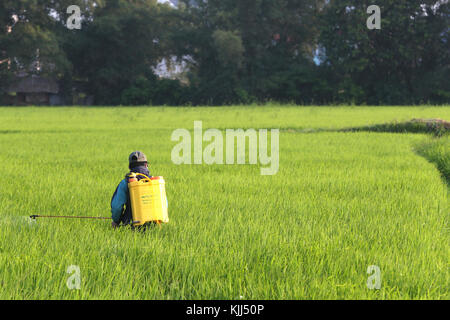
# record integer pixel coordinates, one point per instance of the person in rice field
(120, 203)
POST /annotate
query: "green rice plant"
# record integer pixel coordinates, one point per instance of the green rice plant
(341, 202)
(438, 152)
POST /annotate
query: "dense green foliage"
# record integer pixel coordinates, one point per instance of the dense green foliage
(407, 61)
(235, 51)
(340, 202)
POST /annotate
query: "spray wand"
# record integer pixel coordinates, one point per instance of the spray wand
(74, 217)
(68, 217)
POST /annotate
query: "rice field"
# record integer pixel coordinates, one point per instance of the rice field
(340, 202)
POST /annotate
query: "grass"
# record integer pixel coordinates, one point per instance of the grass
(438, 152)
(341, 201)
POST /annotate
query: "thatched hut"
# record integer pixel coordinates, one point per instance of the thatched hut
(34, 90)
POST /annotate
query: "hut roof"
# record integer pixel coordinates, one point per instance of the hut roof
(34, 84)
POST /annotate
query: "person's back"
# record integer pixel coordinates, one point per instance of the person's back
(120, 202)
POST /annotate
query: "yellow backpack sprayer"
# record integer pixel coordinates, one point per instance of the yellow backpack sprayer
(148, 199)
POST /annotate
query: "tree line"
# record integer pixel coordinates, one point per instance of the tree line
(232, 51)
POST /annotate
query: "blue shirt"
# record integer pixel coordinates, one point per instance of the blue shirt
(119, 200)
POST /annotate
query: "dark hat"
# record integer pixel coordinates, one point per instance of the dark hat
(136, 157)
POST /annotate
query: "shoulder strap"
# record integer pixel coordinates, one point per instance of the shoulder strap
(127, 176)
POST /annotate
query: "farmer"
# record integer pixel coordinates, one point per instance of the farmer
(120, 202)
